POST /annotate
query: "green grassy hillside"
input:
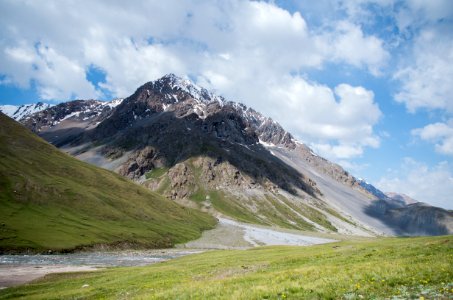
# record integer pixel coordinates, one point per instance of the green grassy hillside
(391, 268)
(49, 200)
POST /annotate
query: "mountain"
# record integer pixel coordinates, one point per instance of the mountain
(76, 116)
(401, 197)
(222, 157)
(372, 189)
(49, 200)
(23, 111)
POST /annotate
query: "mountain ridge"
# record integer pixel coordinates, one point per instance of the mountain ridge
(201, 140)
(18, 112)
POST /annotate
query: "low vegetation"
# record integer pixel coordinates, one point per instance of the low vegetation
(156, 173)
(390, 268)
(51, 201)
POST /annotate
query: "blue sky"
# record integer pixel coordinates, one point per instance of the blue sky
(365, 83)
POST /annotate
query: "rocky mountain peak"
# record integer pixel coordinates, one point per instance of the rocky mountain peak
(183, 98)
(171, 89)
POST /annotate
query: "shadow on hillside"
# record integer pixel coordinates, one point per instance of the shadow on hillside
(61, 137)
(222, 136)
(409, 220)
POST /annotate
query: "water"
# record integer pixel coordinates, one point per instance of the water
(98, 259)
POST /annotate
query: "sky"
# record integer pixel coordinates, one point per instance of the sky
(365, 83)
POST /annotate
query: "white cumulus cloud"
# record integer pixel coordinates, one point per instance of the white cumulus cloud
(252, 52)
(427, 82)
(439, 133)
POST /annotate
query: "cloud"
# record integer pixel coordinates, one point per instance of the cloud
(424, 71)
(337, 123)
(57, 77)
(416, 13)
(252, 52)
(370, 53)
(426, 81)
(433, 185)
(439, 133)
(319, 115)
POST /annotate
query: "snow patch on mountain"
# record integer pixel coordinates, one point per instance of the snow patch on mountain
(88, 112)
(197, 92)
(8, 110)
(23, 111)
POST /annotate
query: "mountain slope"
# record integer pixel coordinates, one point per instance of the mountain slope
(199, 149)
(50, 200)
(349, 197)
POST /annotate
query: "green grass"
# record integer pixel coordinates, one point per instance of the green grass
(156, 173)
(49, 200)
(391, 268)
(282, 215)
(199, 195)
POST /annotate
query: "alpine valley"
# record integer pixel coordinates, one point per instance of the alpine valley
(97, 184)
(197, 149)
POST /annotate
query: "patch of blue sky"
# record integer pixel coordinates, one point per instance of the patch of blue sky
(97, 77)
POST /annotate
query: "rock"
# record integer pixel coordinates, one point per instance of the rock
(139, 163)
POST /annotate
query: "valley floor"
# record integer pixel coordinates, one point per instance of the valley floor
(381, 268)
(228, 234)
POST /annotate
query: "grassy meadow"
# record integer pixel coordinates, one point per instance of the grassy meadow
(385, 268)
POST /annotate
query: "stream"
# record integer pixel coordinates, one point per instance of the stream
(20, 269)
(98, 259)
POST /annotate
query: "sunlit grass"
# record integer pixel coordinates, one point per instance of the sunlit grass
(391, 268)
